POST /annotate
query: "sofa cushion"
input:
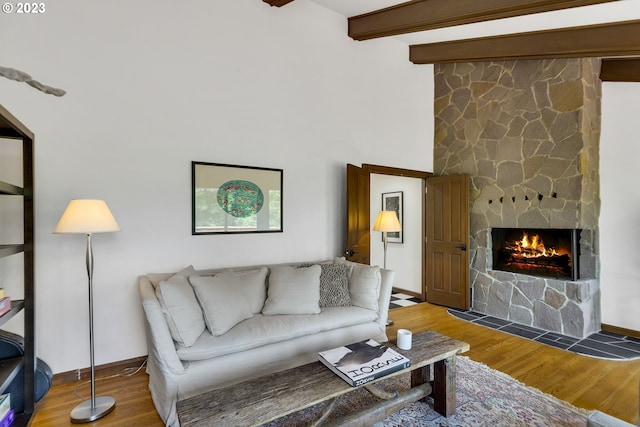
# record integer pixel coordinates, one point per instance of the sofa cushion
(364, 283)
(293, 291)
(252, 283)
(334, 286)
(223, 302)
(180, 308)
(262, 330)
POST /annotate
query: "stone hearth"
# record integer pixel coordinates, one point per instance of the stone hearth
(527, 132)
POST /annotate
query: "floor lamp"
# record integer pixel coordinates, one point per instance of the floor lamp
(386, 222)
(88, 217)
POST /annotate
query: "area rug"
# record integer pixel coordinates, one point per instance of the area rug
(485, 397)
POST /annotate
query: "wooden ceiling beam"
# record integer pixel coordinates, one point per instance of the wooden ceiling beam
(420, 15)
(620, 70)
(277, 3)
(602, 40)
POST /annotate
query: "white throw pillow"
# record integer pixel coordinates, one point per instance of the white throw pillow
(181, 308)
(293, 290)
(223, 303)
(252, 283)
(364, 284)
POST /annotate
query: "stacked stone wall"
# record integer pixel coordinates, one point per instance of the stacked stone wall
(527, 132)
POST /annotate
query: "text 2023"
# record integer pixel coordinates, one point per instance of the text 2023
(30, 8)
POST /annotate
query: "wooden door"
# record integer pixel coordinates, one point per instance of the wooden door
(447, 241)
(358, 223)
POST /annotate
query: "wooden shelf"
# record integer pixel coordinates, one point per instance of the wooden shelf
(6, 188)
(6, 250)
(16, 306)
(11, 127)
(8, 370)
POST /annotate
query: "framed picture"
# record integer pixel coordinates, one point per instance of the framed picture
(229, 199)
(393, 202)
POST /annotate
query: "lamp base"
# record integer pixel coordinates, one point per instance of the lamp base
(85, 413)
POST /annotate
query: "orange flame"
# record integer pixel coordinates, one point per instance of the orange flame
(534, 248)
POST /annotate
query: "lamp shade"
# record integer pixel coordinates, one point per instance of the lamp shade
(387, 221)
(87, 217)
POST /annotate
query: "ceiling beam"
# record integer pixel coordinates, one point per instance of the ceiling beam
(277, 3)
(620, 70)
(602, 40)
(420, 15)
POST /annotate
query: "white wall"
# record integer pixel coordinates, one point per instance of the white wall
(153, 85)
(620, 214)
(404, 258)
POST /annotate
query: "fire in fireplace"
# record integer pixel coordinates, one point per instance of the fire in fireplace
(536, 251)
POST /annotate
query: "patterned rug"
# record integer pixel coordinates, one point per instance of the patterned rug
(485, 397)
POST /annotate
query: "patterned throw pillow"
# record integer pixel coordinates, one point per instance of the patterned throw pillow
(334, 286)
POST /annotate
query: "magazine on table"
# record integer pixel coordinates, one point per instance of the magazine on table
(364, 361)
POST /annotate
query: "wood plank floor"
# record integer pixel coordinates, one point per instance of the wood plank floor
(610, 386)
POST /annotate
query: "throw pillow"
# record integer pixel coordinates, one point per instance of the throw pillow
(251, 282)
(293, 291)
(334, 286)
(364, 284)
(223, 303)
(180, 308)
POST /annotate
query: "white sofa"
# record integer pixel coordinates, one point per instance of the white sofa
(211, 328)
(600, 419)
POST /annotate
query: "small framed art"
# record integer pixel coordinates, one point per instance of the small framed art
(393, 202)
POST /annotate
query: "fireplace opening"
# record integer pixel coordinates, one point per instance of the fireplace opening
(536, 251)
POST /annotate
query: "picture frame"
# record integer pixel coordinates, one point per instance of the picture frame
(394, 202)
(233, 199)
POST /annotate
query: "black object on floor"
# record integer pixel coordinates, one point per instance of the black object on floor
(12, 345)
(603, 345)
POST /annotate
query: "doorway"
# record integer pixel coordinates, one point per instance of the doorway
(404, 250)
(363, 205)
(443, 231)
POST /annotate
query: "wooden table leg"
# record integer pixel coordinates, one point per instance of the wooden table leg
(421, 376)
(444, 386)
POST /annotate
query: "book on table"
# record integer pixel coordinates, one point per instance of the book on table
(362, 362)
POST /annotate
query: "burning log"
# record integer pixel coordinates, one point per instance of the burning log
(563, 261)
(526, 251)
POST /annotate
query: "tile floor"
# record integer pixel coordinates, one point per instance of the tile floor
(605, 345)
(403, 300)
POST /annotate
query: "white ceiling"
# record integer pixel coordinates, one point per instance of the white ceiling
(621, 10)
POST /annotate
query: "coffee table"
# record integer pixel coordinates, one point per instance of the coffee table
(258, 401)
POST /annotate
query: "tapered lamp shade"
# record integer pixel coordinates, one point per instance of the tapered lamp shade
(87, 217)
(387, 221)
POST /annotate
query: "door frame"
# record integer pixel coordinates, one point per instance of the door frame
(409, 173)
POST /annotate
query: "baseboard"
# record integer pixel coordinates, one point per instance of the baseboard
(102, 370)
(620, 331)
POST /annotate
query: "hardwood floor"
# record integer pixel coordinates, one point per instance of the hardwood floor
(610, 386)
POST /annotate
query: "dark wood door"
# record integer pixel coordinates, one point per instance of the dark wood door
(447, 254)
(358, 223)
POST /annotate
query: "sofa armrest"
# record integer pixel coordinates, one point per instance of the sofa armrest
(161, 348)
(600, 419)
(386, 287)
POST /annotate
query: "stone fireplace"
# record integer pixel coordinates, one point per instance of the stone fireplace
(527, 133)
